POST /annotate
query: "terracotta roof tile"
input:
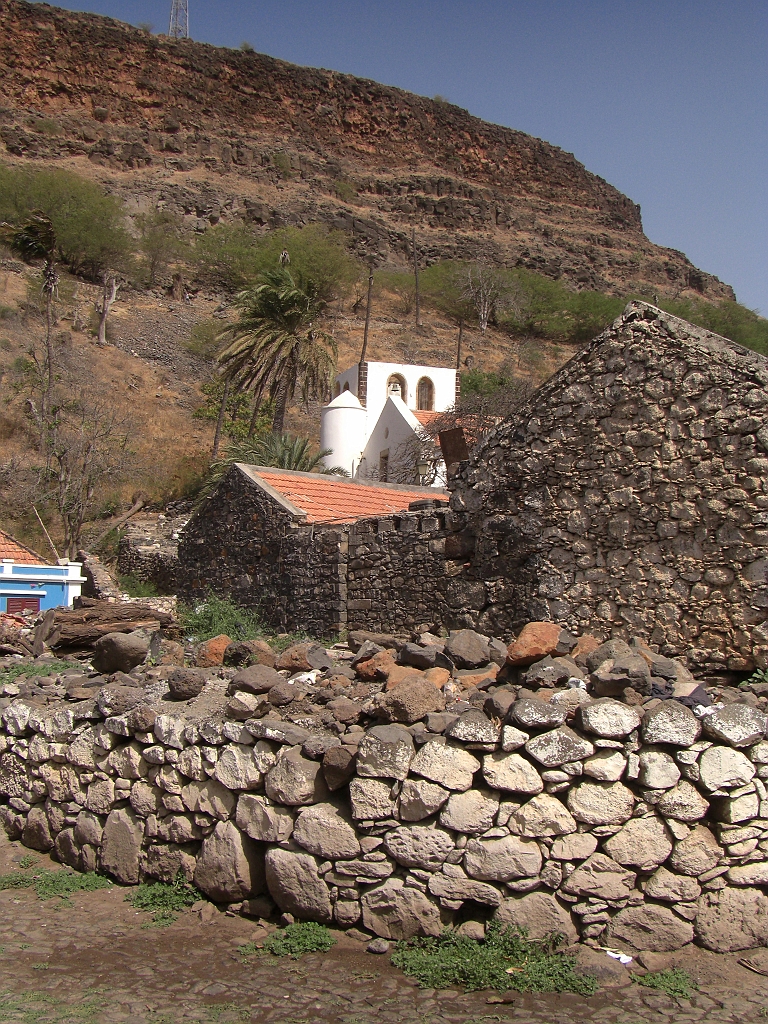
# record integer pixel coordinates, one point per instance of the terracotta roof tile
(10, 548)
(424, 416)
(327, 499)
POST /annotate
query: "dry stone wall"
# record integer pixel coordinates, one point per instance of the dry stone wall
(631, 496)
(444, 798)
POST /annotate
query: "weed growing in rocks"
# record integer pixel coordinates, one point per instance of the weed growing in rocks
(218, 615)
(504, 959)
(675, 981)
(27, 861)
(297, 939)
(164, 900)
(49, 884)
(8, 675)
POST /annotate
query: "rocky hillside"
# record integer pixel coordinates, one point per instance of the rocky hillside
(219, 134)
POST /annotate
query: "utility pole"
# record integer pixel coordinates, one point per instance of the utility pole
(416, 276)
(179, 27)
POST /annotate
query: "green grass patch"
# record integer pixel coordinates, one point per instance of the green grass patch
(50, 884)
(675, 981)
(164, 900)
(48, 668)
(27, 861)
(505, 959)
(297, 939)
(135, 587)
(41, 1008)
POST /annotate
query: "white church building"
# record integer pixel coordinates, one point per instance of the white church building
(377, 408)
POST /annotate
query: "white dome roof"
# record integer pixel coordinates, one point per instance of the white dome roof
(346, 400)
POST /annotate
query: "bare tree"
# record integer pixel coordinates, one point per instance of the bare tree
(418, 460)
(108, 296)
(487, 288)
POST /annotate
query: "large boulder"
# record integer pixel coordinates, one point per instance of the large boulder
(418, 846)
(650, 927)
(609, 718)
(602, 877)
(539, 914)
(296, 886)
(642, 843)
(503, 859)
(544, 815)
(732, 919)
(671, 723)
(419, 799)
(263, 820)
(121, 845)
(511, 772)
(229, 866)
(325, 831)
(536, 640)
(411, 700)
(386, 751)
(372, 799)
(698, 852)
(601, 803)
(468, 649)
(451, 767)
(296, 780)
(165, 861)
(396, 911)
(724, 768)
(559, 746)
(472, 811)
(736, 724)
(120, 652)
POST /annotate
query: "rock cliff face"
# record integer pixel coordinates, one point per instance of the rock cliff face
(219, 134)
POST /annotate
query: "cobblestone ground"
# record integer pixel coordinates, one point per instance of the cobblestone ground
(94, 960)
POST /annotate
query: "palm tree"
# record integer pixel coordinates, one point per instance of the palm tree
(284, 451)
(274, 348)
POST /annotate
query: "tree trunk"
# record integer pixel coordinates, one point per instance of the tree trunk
(108, 298)
(458, 349)
(367, 315)
(220, 418)
(281, 403)
(256, 411)
(416, 276)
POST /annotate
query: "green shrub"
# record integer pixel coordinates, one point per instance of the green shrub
(505, 959)
(89, 225)
(49, 884)
(225, 257)
(297, 939)
(164, 900)
(283, 163)
(675, 981)
(217, 616)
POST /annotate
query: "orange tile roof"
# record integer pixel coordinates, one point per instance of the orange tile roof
(10, 548)
(424, 416)
(326, 499)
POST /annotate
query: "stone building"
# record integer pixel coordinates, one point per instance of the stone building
(286, 542)
(630, 497)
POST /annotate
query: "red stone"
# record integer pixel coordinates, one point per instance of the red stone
(210, 653)
(535, 641)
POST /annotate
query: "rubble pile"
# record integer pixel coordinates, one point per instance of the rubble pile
(403, 784)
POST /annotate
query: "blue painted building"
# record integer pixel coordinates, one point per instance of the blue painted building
(29, 583)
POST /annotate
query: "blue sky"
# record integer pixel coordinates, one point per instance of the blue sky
(668, 101)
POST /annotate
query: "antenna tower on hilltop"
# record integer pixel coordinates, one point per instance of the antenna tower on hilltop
(179, 28)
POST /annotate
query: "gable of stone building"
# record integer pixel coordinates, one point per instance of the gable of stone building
(630, 496)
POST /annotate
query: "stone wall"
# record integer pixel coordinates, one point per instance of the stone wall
(631, 496)
(640, 831)
(248, 547)
(389, 573)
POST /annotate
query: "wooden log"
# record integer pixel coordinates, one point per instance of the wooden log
(92, 618)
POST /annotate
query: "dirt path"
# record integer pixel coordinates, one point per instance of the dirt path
(94, 960)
